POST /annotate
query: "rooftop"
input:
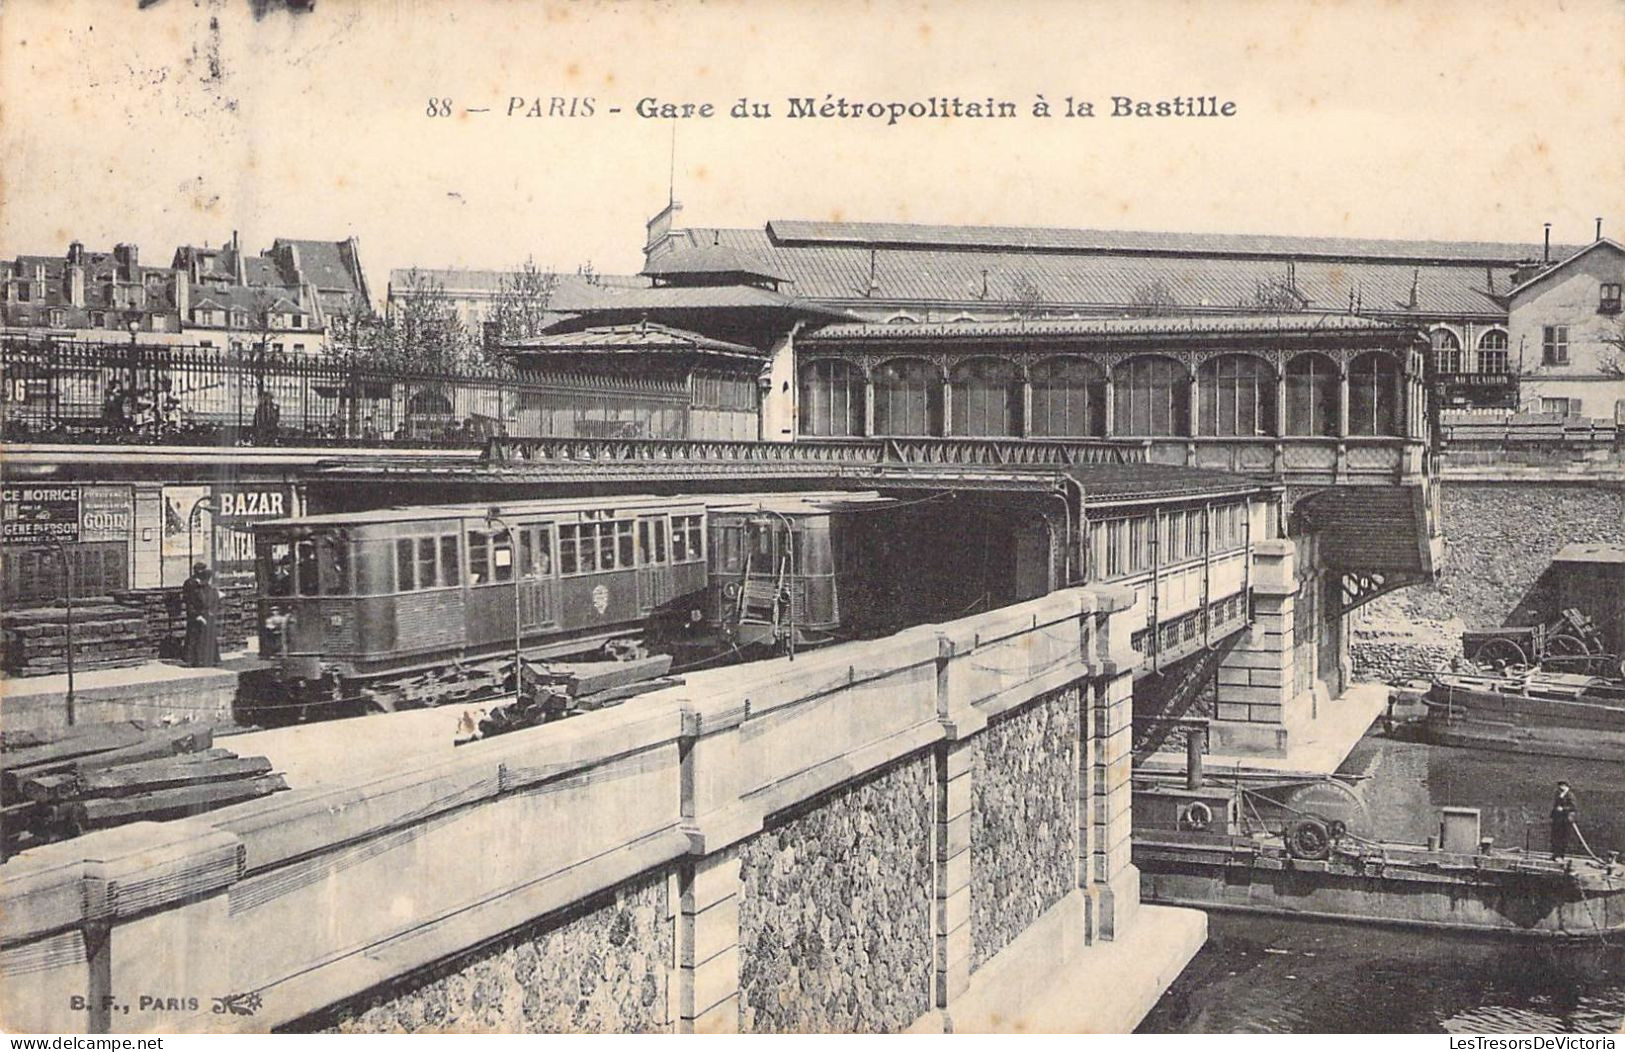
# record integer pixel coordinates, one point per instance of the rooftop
(1294, 325)
(643, 338)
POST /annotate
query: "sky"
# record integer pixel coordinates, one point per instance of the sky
(187, 120)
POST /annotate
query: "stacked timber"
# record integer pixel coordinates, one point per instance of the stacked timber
(96, 777)
(116, 631)
(559, 690)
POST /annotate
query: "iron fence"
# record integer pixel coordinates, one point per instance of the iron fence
(132, 393)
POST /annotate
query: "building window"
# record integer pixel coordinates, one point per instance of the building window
(98, 320)
(1311, 396)
(298, 321)
(1237, 396)
(908, 398)
(1609, 301)
(831, 399)
(1492, 352)
(1069, 398)
(1554, 345)
(1446, 351)
(987, 398)
(58, 318)
(1560, 406)
(1153, 397)
(1373, 383)
(25, 292)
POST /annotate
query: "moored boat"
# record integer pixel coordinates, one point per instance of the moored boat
(1208, 847)
(1545, 713)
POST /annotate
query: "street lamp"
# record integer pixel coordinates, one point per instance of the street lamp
(492, 518)
(191, 527)
(67, 595)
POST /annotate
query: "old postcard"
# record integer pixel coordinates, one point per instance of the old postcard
(846, 517)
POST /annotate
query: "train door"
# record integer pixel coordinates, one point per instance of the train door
(538, 584)
(654, 563)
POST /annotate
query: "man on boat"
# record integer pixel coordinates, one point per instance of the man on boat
(1564, 811)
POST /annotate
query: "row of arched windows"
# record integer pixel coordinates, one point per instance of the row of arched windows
(1448, 356)
(1148, 395)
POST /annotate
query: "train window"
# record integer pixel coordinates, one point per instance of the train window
(335, 566)
(696, 537)
(606, 545)
(427, 578)
(372, 569)
(305, 559)
(587, 549)
(405, 566)
(567, 550)
(502, 556)
(451, 570)
(679, 542)
(479, 557)
(623, 538)
(544, 551)
(527, 553)
(660, 540)
(645, 550)
(279, 569)
(686, 539)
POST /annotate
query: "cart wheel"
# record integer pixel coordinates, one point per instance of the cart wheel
(1308, 838)
(1567, 646)
(1500, 652)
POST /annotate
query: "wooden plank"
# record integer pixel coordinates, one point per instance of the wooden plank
(171, 803)
(616, 695)
(80, 743)
(590, 677)
(47, 788)
(155, 745)
(146, 777)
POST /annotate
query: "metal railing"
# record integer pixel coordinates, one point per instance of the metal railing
(125, 394)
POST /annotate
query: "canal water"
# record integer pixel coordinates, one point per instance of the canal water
(1274, 975)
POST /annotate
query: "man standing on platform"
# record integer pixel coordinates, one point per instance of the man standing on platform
(1564, 811)
(202, 602)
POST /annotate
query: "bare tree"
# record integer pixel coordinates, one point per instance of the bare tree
(1027, 296)
(1152, 299)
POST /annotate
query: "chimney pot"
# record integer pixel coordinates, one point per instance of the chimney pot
(1546, 253)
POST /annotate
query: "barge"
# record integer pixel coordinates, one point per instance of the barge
(1544, 713)
(1210, 847)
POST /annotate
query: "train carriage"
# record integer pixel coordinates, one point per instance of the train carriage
(414, 606)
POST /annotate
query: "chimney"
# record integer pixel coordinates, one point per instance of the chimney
(76, 282)
(1546, 254)
(183, 295)
(76, 250)
(127, 256)
(239, 269)
(1599, 228)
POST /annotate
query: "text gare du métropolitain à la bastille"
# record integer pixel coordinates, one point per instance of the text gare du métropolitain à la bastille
(890, 112)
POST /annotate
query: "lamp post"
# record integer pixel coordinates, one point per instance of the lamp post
(494, 519)
(67, 595)
(191, 528)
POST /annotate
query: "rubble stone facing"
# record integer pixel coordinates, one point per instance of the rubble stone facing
(835, 910)
(606, 970)
(1024, 786)
(1499, 540)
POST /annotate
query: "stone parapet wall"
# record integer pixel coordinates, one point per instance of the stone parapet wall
(785, 845)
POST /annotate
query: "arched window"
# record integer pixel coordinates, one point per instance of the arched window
(987, 398)
(1492, 352)
(1446, 351)
(1153, 397)
(1069, 398)
(1311, 395)
(831, 398)
(1236, 393)
(908, 397)
(1373, 381)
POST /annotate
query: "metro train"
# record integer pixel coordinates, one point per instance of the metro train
(407, 607)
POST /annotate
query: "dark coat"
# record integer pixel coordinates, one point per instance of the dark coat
(202, 602)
